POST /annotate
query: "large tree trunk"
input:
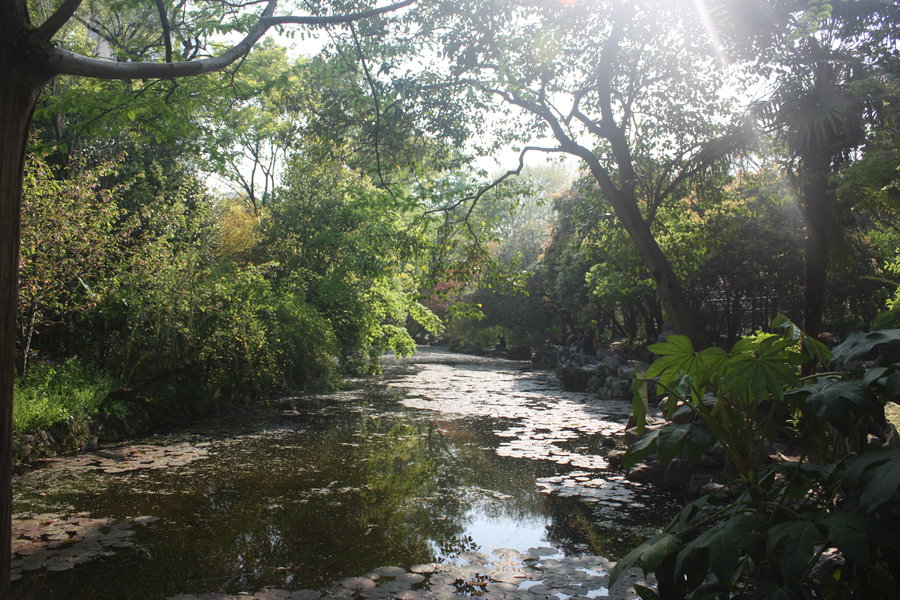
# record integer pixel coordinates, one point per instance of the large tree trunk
(816, 204)
(22, 83)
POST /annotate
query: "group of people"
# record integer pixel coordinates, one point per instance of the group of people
(583, 342)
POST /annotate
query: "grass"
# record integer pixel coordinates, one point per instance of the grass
(58, 393)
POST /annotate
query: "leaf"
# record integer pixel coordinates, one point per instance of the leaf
(851, 534)
(758, 370)
(773, 591)
(646, 593)
(858, 345)
(639, 401)
(677, 357)
(724, 542)
(794, 545)
(835, 402)
(642, 448)
(649, 554)
(671, 440)
(875, 476)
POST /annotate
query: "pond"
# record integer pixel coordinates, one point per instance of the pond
(450, 476)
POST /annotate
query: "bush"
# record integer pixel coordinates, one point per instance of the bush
(764, 535)
(59, 393)
(889, 319)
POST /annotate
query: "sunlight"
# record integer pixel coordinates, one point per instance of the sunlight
(706, 19)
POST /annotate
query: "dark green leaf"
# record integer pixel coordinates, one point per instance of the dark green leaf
(650, 552)
(793, 544)
(646, 593)
(874, 476)
(725, 542)
(642, 448)
(671, 440)
(850, 533)
(836, 401)
(858, 345)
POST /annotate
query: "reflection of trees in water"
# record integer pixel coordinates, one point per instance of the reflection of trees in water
(607, 531)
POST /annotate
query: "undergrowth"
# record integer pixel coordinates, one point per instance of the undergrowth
(57, 393)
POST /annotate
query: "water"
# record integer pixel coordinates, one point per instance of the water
(444, 457)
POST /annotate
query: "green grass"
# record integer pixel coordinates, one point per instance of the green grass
(58, 393)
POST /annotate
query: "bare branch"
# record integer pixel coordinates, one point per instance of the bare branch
(474, 198)
(166, 30)
(57, 20)
(377, 102)
(337, 19)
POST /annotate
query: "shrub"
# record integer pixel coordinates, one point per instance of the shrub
(763, 535)
(59, 393)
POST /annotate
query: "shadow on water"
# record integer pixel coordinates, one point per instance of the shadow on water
(308, 491)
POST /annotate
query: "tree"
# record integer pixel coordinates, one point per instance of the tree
(830, 67)
(620, 86)
(29, 58)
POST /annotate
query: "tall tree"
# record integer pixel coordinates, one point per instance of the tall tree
(625, 87)
(830, 68)
(30, 56)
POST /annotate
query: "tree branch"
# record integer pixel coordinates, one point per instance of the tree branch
(377, 103)
(69, 63)
(337, 19)
(166, 30)
(56, 21)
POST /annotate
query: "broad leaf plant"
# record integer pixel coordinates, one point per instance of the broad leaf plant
(815, 468)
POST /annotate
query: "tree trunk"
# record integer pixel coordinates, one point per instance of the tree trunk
(22, 83)
(816, 199)
(671, 293)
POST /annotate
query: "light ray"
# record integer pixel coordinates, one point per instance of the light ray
(709, 27)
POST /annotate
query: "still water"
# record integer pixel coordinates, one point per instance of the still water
(446, 460)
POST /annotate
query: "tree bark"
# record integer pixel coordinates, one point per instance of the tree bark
(816, 204)
(23, 78)
(671, 292)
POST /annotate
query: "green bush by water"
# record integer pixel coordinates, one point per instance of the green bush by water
(59, 393)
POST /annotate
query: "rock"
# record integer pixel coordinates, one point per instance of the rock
(713, 459)
(677, 474)
(644, 473)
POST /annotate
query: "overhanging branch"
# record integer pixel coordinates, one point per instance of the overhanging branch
(69, 63)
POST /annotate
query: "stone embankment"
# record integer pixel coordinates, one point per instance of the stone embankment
(608, 373)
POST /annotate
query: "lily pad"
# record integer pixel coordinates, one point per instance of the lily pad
(358, 583)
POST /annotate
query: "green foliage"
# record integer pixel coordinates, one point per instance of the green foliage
(762, 536)
(61, 393)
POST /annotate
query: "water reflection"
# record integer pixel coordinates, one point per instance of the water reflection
(312, 490)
